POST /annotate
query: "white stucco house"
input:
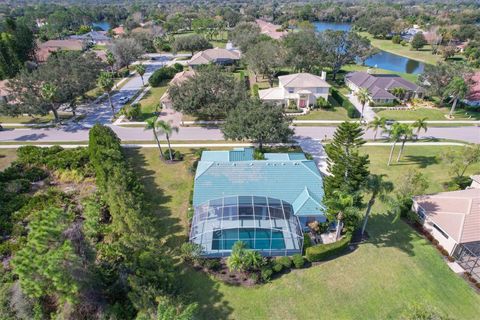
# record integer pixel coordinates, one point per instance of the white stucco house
(301, 88)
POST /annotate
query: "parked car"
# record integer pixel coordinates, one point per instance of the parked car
(124, 100)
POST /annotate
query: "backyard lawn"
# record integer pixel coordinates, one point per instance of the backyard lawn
(430, 113)
(34, 120)
(424, 55)
(395, 269)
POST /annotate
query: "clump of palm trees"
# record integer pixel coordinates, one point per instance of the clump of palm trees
(402, 132)
(160, 127)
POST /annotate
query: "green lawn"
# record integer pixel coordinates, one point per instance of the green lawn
(337, 113)
(393, 270)
(424, 55)
(151, 101)
(6, 157)
(431, 114)
(33, 120)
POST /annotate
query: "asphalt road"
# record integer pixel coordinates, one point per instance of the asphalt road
(70, 134)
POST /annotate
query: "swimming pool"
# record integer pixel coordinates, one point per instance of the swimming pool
(255, 238)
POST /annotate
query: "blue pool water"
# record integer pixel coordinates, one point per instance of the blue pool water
(382, 60)
(259, 239)
(104, 25)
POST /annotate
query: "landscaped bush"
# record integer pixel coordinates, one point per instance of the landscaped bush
(54, 157)
(286, 262)
(298, 261)
(277, 267)
(266, 274)
(321, 252)
(322, 103)
(160, 75)
(459, 183)
(435, 242)
(255, 91)
(307, 241)
(177, 155)
(352, 112)
(178, 67)
(131, 111)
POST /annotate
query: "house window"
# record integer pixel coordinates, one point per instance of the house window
(290, 90)
(440, 230)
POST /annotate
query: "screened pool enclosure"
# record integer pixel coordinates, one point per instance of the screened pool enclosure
(264, 224)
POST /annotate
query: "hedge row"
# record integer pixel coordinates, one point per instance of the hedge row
(321, 252)
(352, 112)
(164, 73)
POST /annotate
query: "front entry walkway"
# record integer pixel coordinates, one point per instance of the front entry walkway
(315, 148)
(368, 113)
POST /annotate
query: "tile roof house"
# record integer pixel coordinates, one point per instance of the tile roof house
(473, 98)
(95, 37)
(270, 29)
(218, 56)
(45, 49)
(4, 92)
(237, 197)
(453, 218)
(380, 86)
(177, 79)
(303, 89)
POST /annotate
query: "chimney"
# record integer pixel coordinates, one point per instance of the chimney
(324, 75)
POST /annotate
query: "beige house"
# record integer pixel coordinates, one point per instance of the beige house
(218, 56)
(453, 218)
(303, 89)
(177, 79)
(272, 30)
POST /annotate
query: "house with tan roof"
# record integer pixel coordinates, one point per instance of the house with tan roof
(270, 29)
(381, 86)
(45, 49)
(453, 218)
(473, 98)
(178, 79)
(303, 89)
(218, 56)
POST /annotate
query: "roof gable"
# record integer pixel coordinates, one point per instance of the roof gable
(302, 80)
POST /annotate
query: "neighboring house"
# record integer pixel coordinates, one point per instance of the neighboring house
(475, 181)
(270, 29)
(473, 98)
(265, 203)
(95, 37)
(381, 86)
(118, 31)
(177, 79)
(45, 49)
(408, 34)
(303, 89)
(218, 56)
(453, 218)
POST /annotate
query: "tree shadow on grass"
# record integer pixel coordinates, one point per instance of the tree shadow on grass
(421, 161)
(386, 231)
(155, 198)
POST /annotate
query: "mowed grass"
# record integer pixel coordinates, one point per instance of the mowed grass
(7, 156)
(34, 120)
(395, 269)
(337, 113)
(429, 113)
(151, 101)
(424, 55)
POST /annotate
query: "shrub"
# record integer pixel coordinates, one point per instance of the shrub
(322, 103)
(321, 252)
(396, 39)
(266, 274)
(177, 155)
(160, 75)
(212, 264)
(277, 267)
(178, 67)
(298, 260)
(254, 276)
(352, 112)
(459, 183)
(435, 242)
(258, 155)
(190, 251)
(451, 259)
(307, 241)
(131, 111)
(286, 262)
(477, 285)
(255, 91)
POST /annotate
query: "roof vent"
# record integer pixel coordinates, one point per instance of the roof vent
(251, 164)
(234, 164)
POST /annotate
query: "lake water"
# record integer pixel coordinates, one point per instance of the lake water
(105, 26)
(383, 60)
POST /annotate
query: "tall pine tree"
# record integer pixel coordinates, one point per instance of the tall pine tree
(348, 168)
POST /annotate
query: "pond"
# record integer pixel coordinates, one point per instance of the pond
(383, 60)
(104, 25)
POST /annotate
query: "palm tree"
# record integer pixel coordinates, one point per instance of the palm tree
(399, 92)
(340, 203)
(457, 89)
(420, 124)
(407, 133)
(377, 123)
(166, 128)
(252, 260)
(110, 60)
(395, 133)
(105, 81)
(141, 71)
(378, 188)
(363, 97)
(151, 124)
(48, 92)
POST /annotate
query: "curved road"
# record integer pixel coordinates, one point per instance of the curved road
(79, 133)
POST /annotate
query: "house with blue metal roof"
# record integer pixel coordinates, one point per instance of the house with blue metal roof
(265, 203)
